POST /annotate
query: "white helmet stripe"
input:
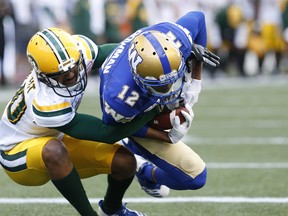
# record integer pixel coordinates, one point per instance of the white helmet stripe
(55, 44)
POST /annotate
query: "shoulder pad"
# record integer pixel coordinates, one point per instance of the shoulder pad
(87, 46)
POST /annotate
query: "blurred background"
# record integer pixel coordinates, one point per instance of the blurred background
(250, 36)
(241, 120)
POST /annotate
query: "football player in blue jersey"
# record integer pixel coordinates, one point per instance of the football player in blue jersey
(159, 65)
(43, 137)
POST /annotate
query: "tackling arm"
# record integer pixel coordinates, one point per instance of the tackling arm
(88, 127)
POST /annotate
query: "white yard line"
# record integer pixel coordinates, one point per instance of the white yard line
(236, 140)
(247, 165)
(155, 200)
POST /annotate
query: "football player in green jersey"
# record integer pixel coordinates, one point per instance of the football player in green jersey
(42, 137)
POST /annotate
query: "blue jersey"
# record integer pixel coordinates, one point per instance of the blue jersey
(121, 98)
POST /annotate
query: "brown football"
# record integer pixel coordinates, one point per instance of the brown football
(163, 121)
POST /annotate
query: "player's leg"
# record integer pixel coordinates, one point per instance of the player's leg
(273, 41)
(177, 165)
(65, 177)
(34, 162)
(152, 188)
(93, 158)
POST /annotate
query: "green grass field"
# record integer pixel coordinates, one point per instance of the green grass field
(240, 129)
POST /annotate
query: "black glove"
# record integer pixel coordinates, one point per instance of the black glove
(202, 54)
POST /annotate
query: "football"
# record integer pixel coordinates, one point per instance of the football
(163, 121)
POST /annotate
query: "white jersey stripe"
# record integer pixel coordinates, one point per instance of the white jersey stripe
(12, 163)
(54, 42)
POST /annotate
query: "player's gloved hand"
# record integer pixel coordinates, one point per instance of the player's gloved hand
(180, 130)
(202, 54)
(193, 89)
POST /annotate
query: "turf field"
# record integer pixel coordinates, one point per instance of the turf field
(240, 129)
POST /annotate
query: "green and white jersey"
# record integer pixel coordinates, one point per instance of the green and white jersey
(36, 108)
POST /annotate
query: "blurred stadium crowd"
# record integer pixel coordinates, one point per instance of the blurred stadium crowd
(250, 36)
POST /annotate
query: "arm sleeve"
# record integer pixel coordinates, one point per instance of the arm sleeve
(195, 23)
(103, 52)
(142, 132)
(88, 127)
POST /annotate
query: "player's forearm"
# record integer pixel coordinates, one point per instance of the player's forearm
(197, 70)
(157, 134)
(91, 128)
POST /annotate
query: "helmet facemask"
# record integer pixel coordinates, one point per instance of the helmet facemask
(65, 90)
(166, 90)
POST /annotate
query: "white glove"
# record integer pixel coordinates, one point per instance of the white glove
(192, 92)
(180, 130)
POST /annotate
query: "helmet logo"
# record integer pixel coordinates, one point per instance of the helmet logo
(170, 76)
(134, 57)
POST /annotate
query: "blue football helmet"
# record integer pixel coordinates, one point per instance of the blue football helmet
(157, 66)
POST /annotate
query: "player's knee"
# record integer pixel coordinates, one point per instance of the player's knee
(196, 169)
(200, 180)
(54, 152)
(123, 164)
(192, 166)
